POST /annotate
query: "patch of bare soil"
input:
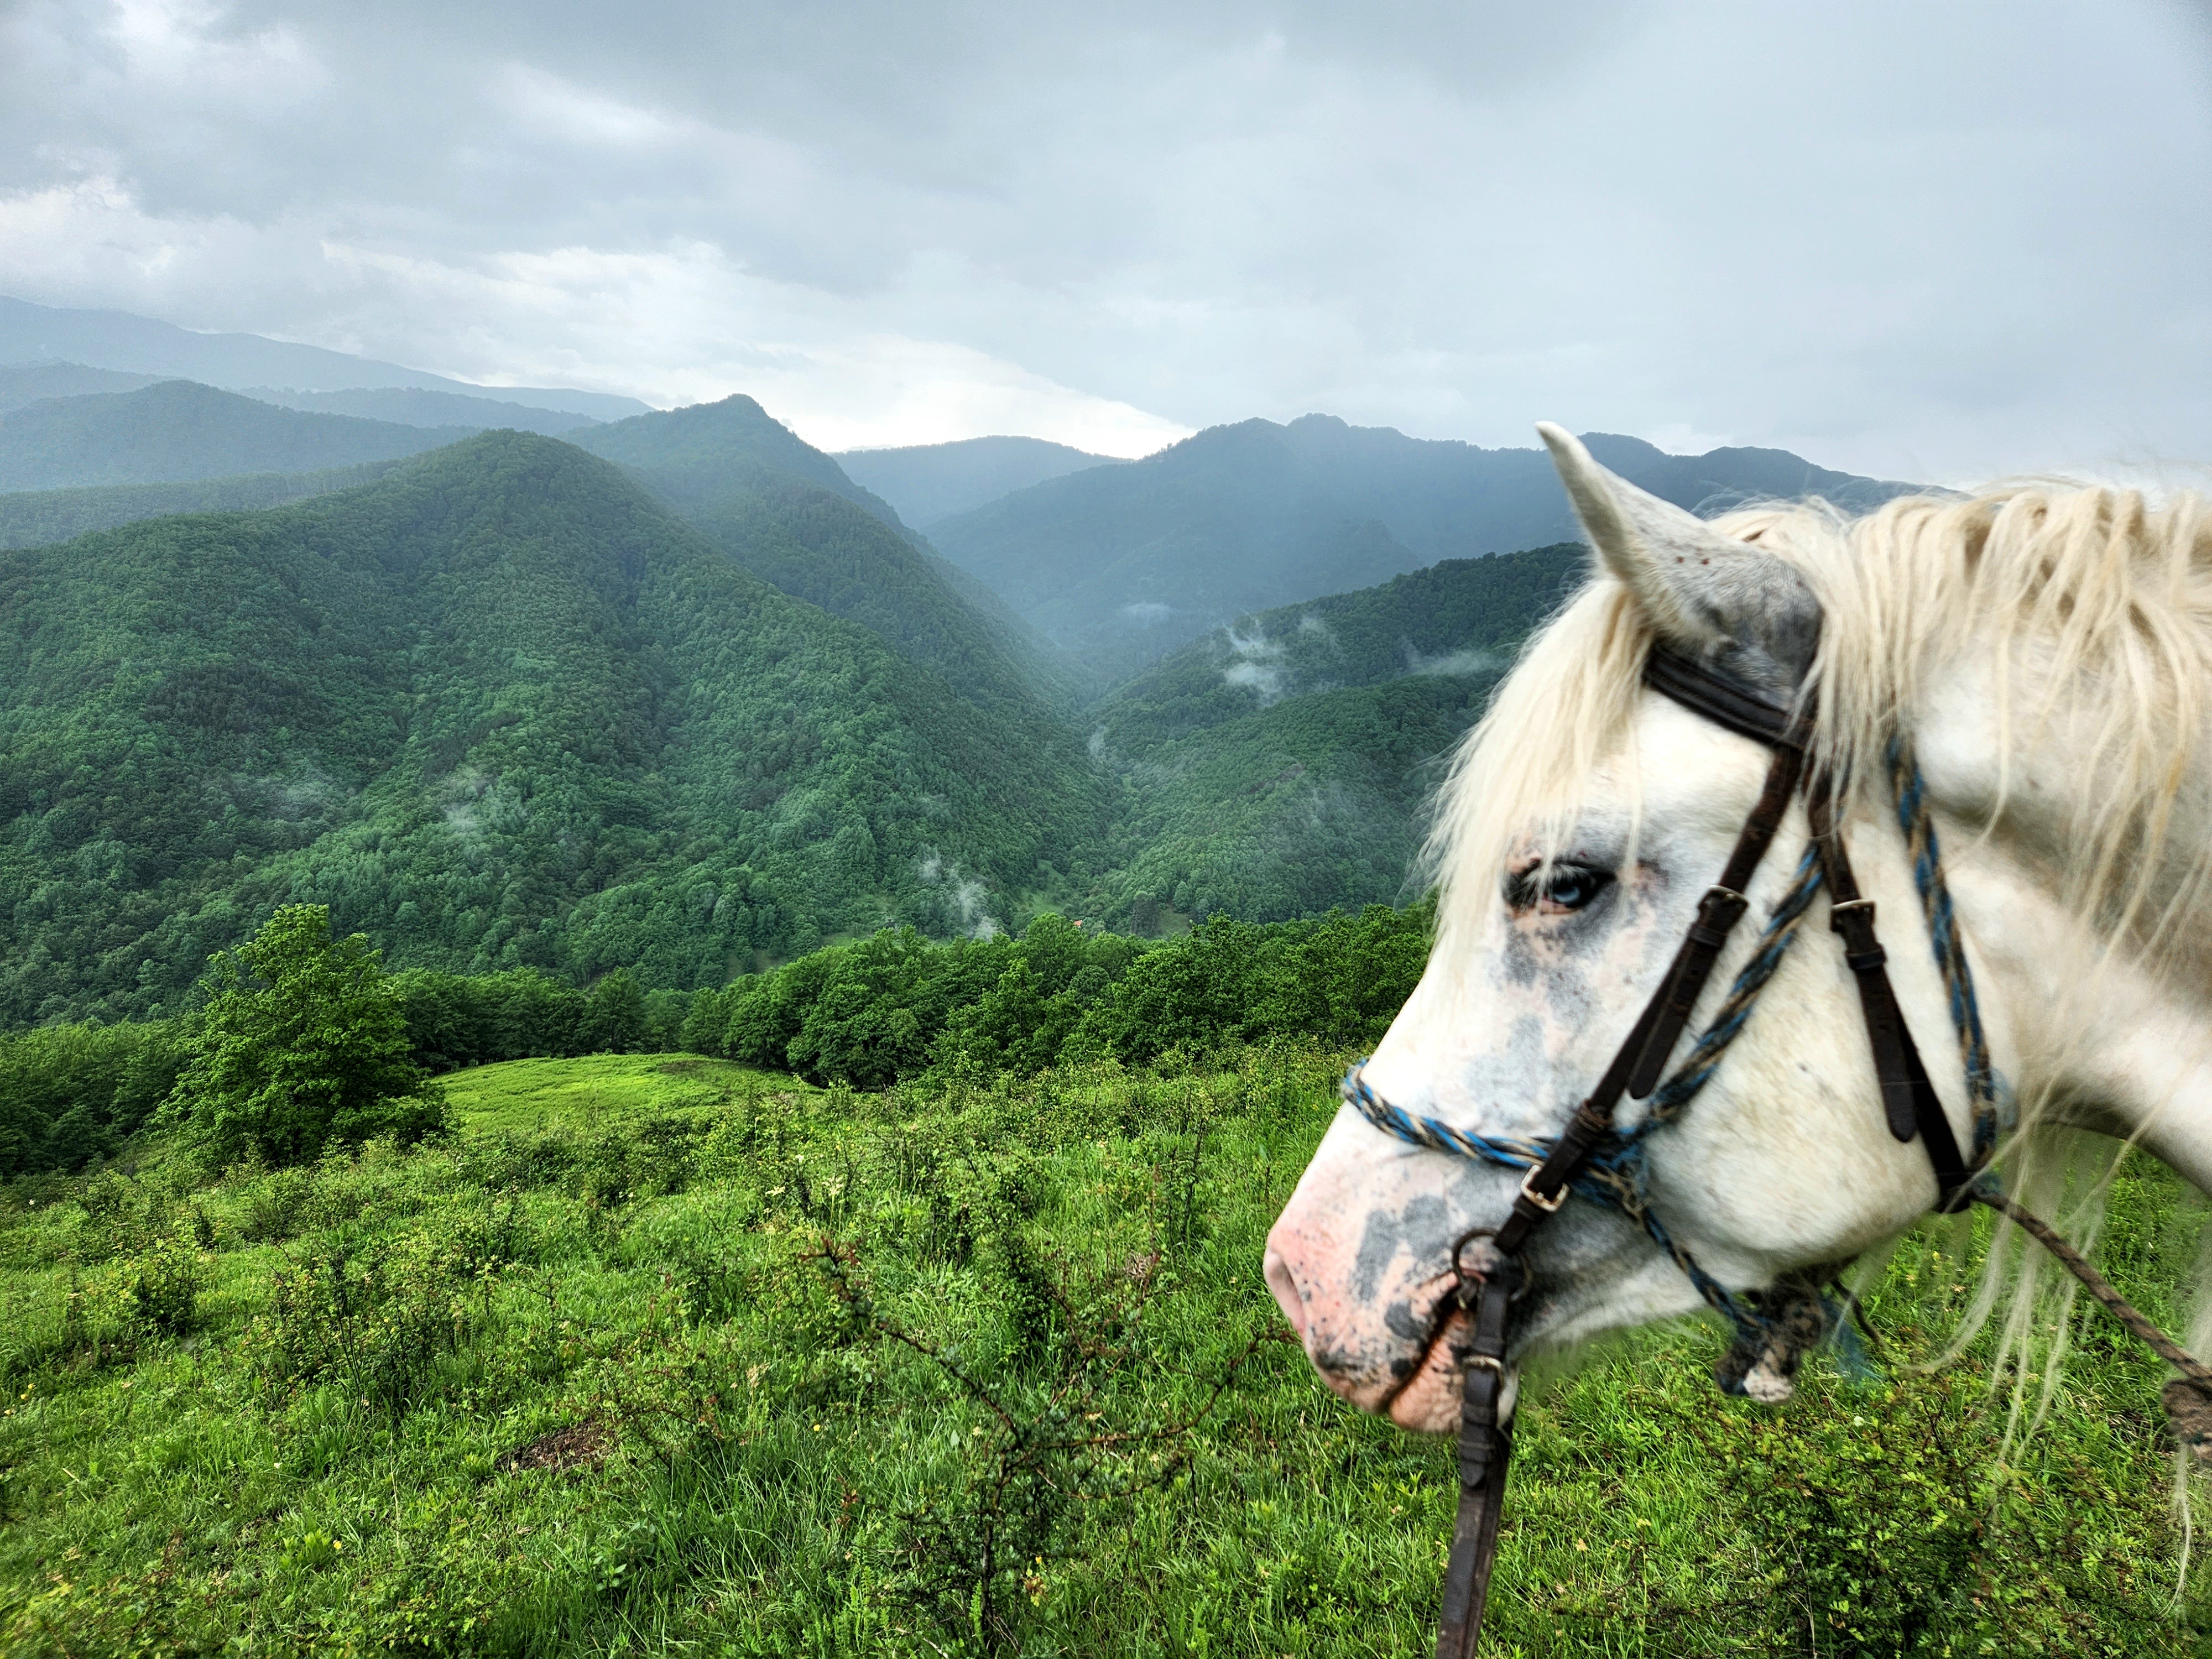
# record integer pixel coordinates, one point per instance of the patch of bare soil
(582, 1445)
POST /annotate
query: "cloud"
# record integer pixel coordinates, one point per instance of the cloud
(1256, 665)
(1738, 222)
(1451, 663)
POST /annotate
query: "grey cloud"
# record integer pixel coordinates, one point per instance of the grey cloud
(1909, 241)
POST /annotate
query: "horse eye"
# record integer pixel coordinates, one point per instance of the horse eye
(1562, 888)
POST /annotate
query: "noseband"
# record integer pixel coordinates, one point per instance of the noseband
(1594, 1161)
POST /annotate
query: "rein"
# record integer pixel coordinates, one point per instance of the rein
(1592, 1160)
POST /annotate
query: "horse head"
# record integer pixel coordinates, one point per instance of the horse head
(1587, 817)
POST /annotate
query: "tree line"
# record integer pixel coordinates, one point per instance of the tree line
(301, 1037)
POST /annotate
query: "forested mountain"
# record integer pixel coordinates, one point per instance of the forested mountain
(176, 431)
(116, 339)
(929, 482)
(1121, 564)
(34, 518)
(31, 383)
(1282, 765)
(412, 406)
(788, 513)
(698, 454)
(498, 708)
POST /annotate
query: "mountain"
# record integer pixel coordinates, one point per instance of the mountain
(1282, 765)
(787, 512)
(696, 454)
(929, 482)
(37, 518)
(30, 383)
(116, 339)
(411, 406)
(1119, 565)
(498, 708)
(175, 430)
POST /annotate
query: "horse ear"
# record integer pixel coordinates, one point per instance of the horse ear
(1706, 594)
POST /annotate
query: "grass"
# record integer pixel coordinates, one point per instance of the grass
(518, 1095)
(649, 1359)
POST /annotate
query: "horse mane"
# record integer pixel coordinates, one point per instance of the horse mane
(2092, 606)
(2096, 608)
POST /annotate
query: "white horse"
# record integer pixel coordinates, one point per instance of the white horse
(2048, 653)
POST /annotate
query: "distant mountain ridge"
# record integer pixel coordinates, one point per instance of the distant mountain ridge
(119, 340)
(414, 406)
(176, 431)
(930, 482)
(23, 384)
(1119, 565)
(40, 518)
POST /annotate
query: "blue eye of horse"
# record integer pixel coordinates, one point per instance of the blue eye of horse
(1564, 886)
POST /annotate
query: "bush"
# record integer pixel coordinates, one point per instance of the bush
(165, 1286)
(302, 1042)
(377, 1333)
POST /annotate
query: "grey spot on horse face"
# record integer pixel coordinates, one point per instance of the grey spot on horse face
(1423, 1228)
(1398, 1319)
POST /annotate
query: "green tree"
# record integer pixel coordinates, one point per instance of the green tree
(303, 1042)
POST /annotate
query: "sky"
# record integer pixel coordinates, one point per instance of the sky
(1935, 241)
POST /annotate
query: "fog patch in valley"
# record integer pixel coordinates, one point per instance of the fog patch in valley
(964, 896)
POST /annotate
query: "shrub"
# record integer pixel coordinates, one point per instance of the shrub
(165, 1286)
(302, 1042)
(378, 1333)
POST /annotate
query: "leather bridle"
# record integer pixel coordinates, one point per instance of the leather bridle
(1590, 1155)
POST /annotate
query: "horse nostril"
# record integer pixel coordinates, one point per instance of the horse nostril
(1284, 1284)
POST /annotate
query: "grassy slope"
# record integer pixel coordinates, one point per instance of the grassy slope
(768, 1469)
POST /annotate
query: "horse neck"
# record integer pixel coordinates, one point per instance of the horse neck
(2092, 1031)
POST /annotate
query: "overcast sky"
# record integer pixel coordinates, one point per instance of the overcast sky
(1926, 240)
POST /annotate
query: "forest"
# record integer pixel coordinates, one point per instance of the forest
(892, 1008)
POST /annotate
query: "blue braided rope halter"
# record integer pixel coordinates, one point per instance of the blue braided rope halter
(1614, 1175)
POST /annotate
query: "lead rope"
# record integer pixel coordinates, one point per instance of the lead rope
(1606, 1165)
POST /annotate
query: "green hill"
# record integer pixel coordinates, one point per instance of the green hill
(498, 708)
(927, 482)
(177, 431)
(1282, 765)
(788, 513)
(1119, 565)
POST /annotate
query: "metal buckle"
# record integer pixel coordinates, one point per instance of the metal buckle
(1484, 1362)
(1865, 904)
(1548, 1205)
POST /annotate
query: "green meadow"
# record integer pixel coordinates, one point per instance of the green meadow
(660, 1354)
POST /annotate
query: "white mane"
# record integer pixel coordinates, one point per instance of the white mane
(2097, 606)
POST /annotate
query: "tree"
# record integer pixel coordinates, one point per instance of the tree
(302, 1041)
